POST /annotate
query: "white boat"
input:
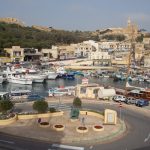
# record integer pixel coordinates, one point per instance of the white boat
(36, 77)
(19, 79)
(61, 71)
(12, 77)
(19, 94)
(70, 90)
(51, 74)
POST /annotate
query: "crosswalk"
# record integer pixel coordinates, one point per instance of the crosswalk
(64, 147)
(61, 107)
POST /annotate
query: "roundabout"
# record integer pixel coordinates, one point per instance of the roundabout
(56, 128)
(136, 132)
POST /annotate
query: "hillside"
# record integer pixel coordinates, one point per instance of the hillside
(12, 34)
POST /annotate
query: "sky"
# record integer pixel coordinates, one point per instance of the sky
(85, 15)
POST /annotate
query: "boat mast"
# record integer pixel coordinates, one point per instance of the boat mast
(131, 55)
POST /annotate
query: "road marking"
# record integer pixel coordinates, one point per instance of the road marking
(146, 139)
(67, 147)
(10, 142)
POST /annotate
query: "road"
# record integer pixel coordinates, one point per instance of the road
(136, 138)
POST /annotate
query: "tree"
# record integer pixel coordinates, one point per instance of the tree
(140, 38)
(77, 102)
(5, 105)
(41, 106)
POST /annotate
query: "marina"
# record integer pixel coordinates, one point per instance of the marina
(42, 88)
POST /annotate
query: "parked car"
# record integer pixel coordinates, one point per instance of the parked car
(119, 98)
(35, 97)
(130, 100)
(142, 102)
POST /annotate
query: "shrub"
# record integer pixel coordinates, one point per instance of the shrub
(77, 102)
(5, 105)
(41, 106)
(52, 109)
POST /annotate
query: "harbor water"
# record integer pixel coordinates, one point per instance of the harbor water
(42, 88)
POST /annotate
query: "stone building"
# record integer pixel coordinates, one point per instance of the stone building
(129, 30)
(66, 51)
(50, 54)
(16, 53)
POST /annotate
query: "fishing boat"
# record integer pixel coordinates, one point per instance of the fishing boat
(69, 90)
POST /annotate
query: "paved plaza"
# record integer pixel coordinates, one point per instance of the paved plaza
(31, 129)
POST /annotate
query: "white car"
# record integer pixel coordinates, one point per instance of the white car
(119, 98)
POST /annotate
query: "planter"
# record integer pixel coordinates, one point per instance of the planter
(44, 124)
(59, 127)
(98, 128)
(82, 129)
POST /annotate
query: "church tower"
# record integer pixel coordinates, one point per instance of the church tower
(129, 22)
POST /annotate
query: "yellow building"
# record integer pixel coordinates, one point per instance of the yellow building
(87, 90)
(16, 53)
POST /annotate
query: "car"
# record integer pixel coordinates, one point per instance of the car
(119, 98)
(35, 97)
(142, 102)
(130, 100)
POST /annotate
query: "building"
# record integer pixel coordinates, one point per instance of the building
(87, 90)
(50, 54)
(100, 56)
(66, 51)
(82, 50)
(127, 31)
(114, 46)
(146, 40)
(16, 53)
(139, 51)
(120, 58)
(147, 59)
(32, 54)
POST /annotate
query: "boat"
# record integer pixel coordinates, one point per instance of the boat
(35, 78)
(69, 90)
(4, 96)
(19, 94)
(2, 78)
(129, 87)
(51, 74)
(19, 79)
(61, 71)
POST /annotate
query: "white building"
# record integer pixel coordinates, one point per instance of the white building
(83, 49)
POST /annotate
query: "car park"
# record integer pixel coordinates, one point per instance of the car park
(130, 100)
(119, 98)
(142, 102)
(35, 97)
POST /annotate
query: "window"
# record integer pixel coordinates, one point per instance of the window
(83, 90)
